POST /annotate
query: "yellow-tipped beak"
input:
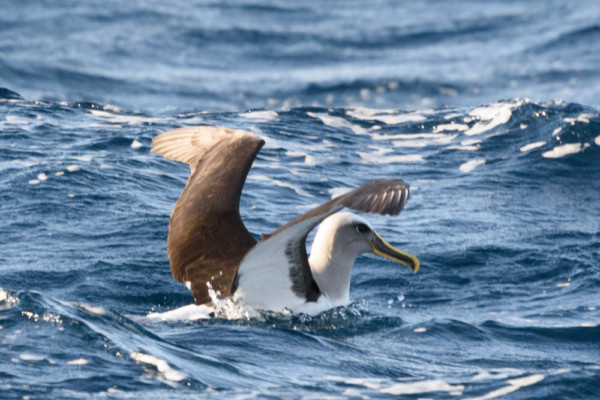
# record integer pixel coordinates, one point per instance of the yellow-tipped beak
(384, 249)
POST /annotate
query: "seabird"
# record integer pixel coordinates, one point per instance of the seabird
(209, 246)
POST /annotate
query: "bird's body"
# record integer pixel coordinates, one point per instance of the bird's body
(209, 246)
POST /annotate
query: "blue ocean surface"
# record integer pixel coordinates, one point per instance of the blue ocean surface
(488, 109)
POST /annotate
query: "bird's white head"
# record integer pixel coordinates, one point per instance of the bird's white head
(339, 240)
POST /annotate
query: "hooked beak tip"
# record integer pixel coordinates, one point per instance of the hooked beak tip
(384, 249)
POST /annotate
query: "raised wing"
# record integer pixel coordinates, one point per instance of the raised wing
(207, 238)
(276, 274)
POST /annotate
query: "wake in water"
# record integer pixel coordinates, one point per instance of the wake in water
(231, 308)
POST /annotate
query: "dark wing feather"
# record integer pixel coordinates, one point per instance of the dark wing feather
(207, 238)
(384, 196)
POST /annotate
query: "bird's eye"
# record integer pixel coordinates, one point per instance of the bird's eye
(362, 228)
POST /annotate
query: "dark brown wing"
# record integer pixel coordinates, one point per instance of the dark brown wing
(207, 238)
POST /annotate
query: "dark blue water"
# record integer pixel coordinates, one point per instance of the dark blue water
(488, 109)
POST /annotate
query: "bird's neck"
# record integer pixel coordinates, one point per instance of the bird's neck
(331, 269)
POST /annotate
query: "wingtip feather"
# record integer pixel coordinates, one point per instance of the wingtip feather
(188, 144)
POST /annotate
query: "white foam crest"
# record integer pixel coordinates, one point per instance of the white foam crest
(444, 139)
(111, 107)
(583, 117)
(25, 163)
(471, 165)
(513, 386)
(315, 146)
(352, 392)
(128, 119)
(279, 183)
(493, 375)
(420, 387)
(411, 143)
(105, 126)
(85, 158)
(6, 300)
(388, 117)
(310, 161)
(464, 148)
(163, 368)
(370, 383)
(135, 144)
(412, 136)
(563, 150)
(597, 140)
(260, 116)
(366, 113)
(14, 120)
(272, 143)
(190, 312)
(31, 357)
(452, 115)
(451, 127)
(381, 150)
(338, 122)
(532, 146)
(490, 117)
(470, 142)
(78, 361)
(96, 310)
(379, 158)
(72, 168)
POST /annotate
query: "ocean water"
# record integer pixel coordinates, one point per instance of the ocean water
(489, 109)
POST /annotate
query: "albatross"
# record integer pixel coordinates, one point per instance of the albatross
(210, 248)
